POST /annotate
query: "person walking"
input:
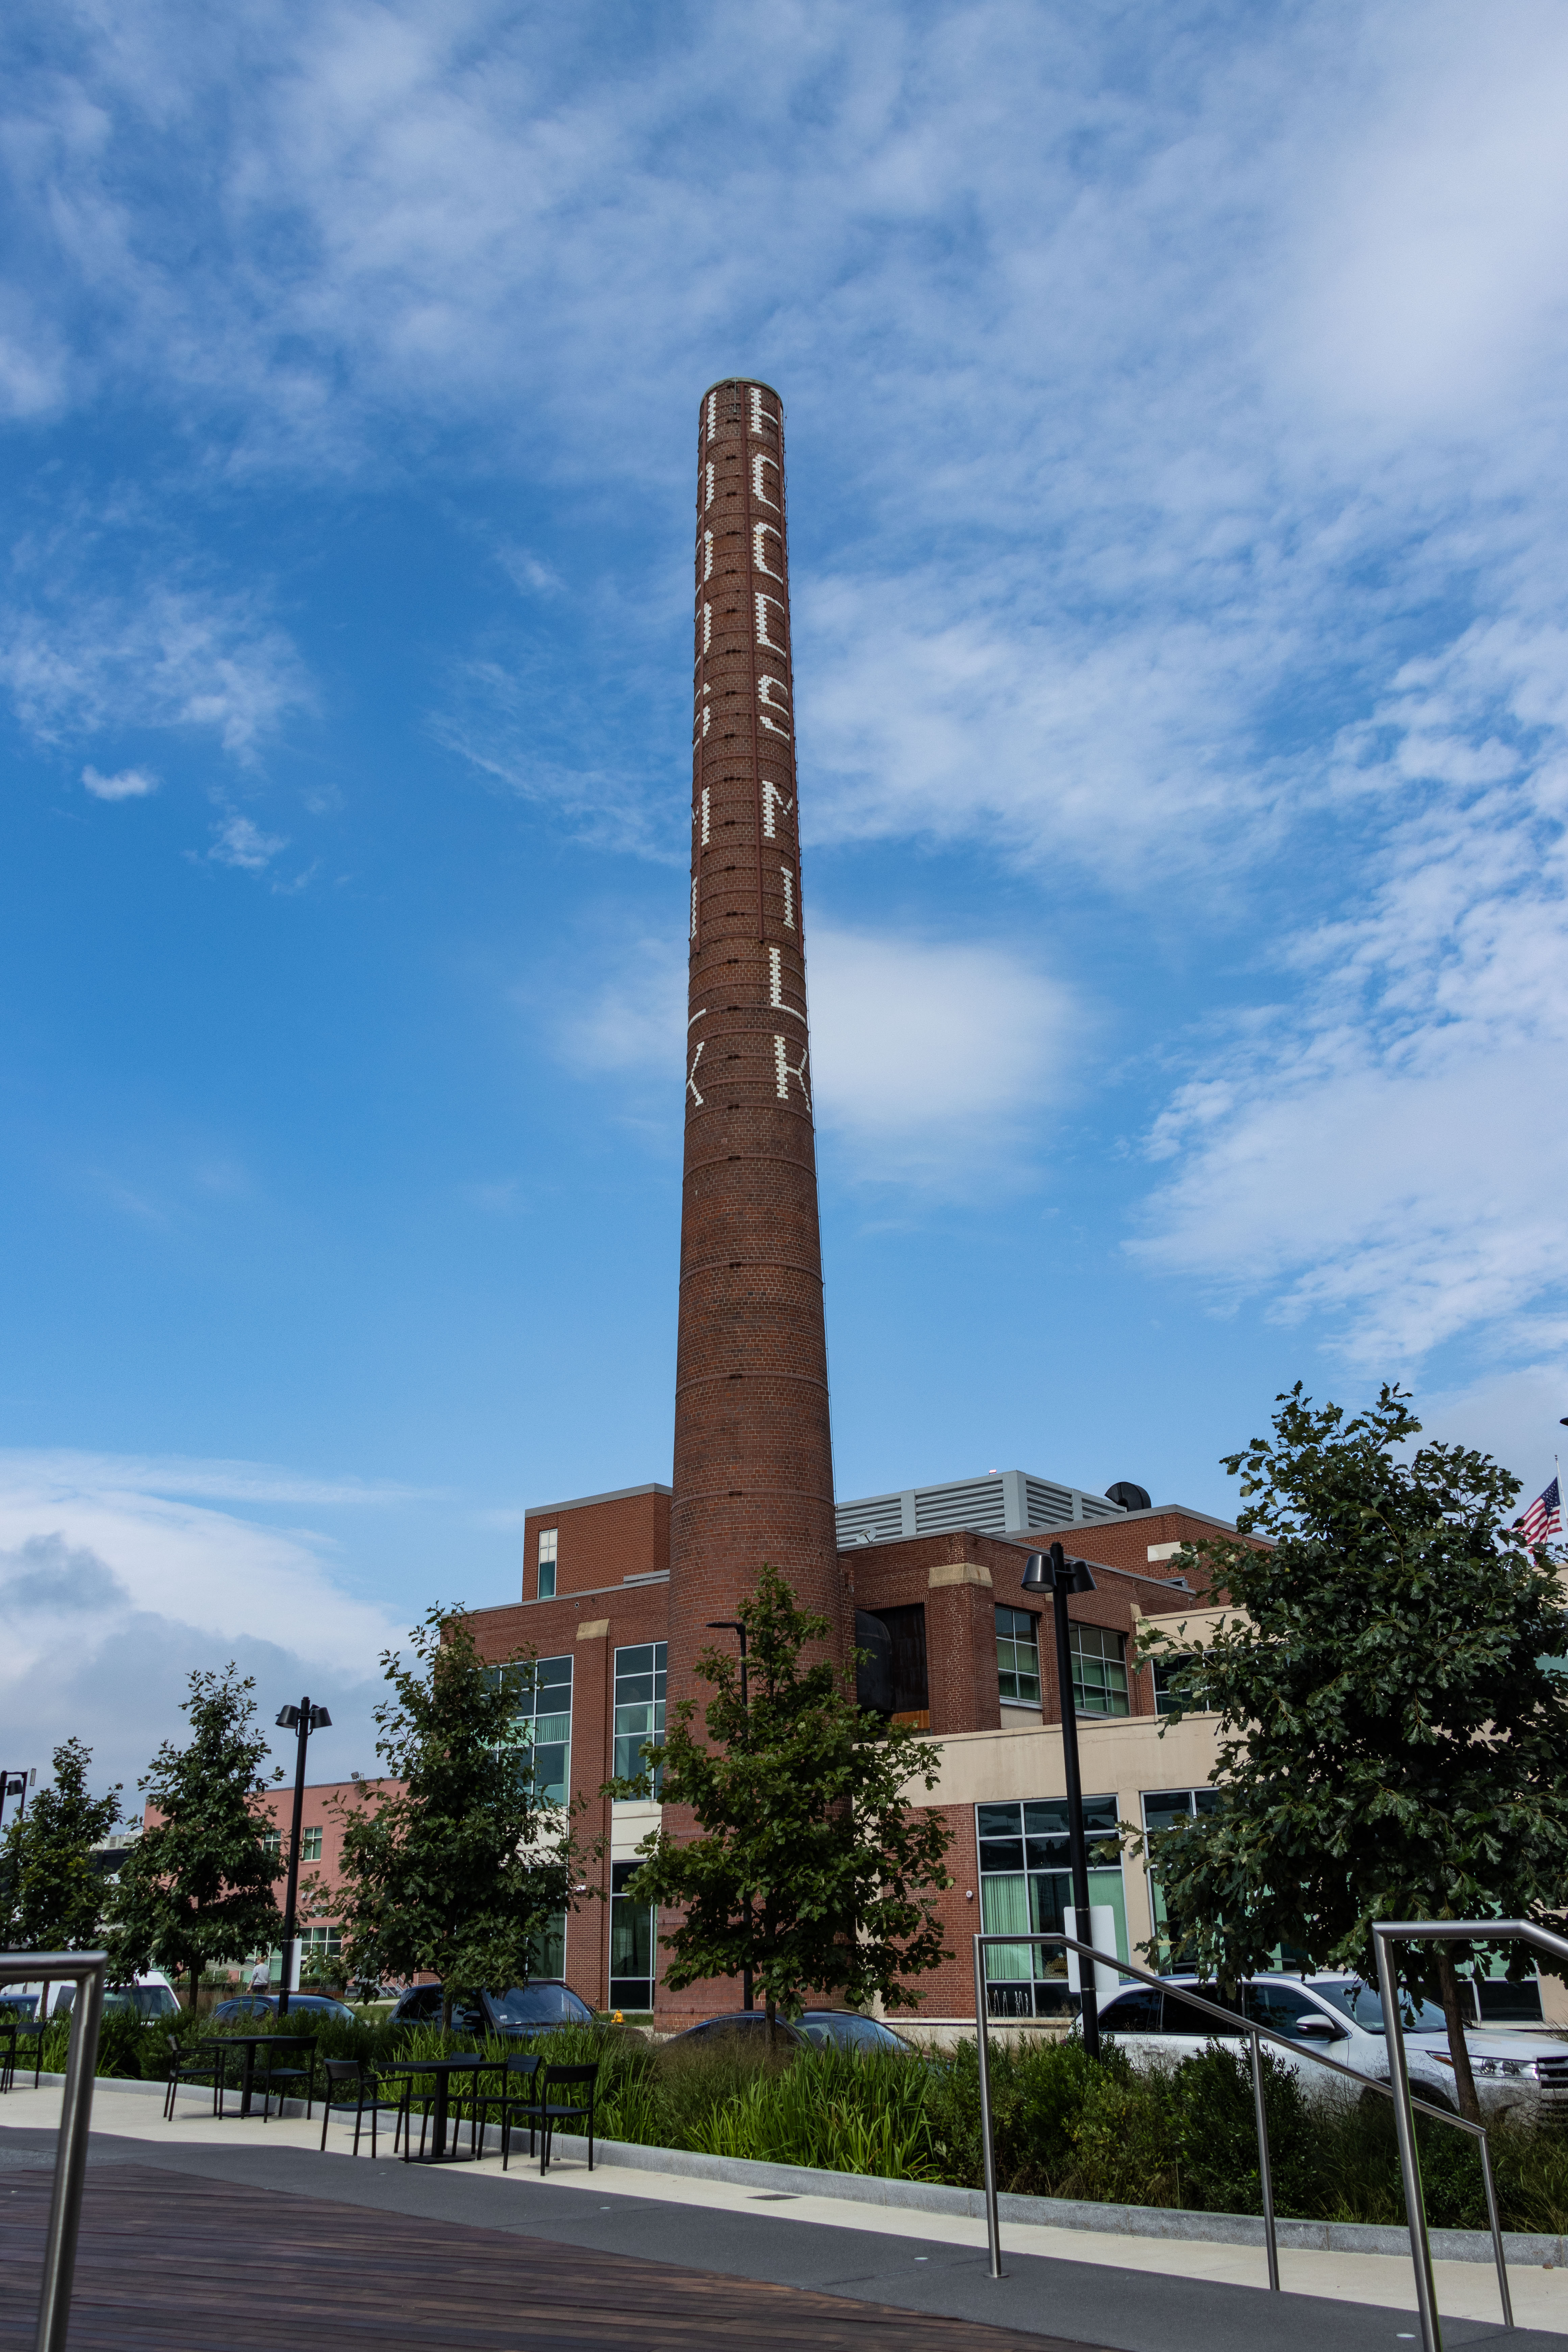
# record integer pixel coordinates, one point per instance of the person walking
(260, 1977)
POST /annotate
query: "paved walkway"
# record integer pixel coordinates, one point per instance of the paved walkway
(1131, 2295)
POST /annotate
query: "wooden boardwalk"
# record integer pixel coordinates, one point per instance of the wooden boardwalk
(172, 2260)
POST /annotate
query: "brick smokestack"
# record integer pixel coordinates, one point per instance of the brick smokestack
(753, 1459)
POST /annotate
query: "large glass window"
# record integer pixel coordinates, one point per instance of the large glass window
(544, 1721)
(310, 1844)
(1167, 1809)
(639, 1708)
(1099, 1670)
(633, 1942)
(1017, 1657)
(1025, 1888)
(547, 1563)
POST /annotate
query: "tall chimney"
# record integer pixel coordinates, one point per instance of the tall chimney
(753, 1458)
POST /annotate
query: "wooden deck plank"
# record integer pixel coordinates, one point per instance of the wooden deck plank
(211, 2267)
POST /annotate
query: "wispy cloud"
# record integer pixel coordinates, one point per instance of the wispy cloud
(130, 784)
(240, 841)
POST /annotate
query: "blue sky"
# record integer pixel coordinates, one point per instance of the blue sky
(1176, 430)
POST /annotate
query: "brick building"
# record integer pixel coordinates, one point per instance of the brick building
(974, 1665)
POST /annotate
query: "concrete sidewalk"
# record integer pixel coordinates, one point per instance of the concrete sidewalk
(1133, 2293)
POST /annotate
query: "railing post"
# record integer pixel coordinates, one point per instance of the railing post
(982, 2051)
(1265, 2170)
(1497, 2233)
(1409, 2161)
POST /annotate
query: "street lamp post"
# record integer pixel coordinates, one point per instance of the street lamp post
(301, 1720)
(14, 1784)
(1051, 1571)
(733, 1625)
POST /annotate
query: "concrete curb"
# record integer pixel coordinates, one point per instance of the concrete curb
(1522, 2251)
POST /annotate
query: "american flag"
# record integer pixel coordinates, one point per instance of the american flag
(1543, 1518)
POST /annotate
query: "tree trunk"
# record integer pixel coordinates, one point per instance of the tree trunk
(1459, 2048)
(771, 2010)
(446, 2009)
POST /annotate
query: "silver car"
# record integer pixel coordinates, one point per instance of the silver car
(1341, 2018)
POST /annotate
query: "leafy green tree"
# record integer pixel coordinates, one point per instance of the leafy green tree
(197, 1889)
(1394, 1732)
(51, 1895)
(461, 1869)
(812, 1868)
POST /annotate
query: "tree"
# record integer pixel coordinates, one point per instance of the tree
(197, 1887)
(51, 1895)
(812, 1868)
(461, 1870)
(1394, 1738)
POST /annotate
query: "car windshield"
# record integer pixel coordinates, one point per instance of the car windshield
(538, 2004)
(142, 2001)
(1361, 2006)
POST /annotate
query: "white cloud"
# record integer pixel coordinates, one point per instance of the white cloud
(114, 1584)
(930, 1058)
(130, 784)
(170, 658)
(1391, 1145)
(240, 842)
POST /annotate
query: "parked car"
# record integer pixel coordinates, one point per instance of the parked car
(534, 2008)
(1341, 2018)
(265, 2004)
(745, 2026)
(844, 2028)
(149, 1996)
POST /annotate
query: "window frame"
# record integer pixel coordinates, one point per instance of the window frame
(1077, 1632)
(1015, 1639)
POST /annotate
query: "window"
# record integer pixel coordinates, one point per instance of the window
(640, 1709)
(1167, 1809)
(1167, 1669)
(1017, 1657)
(547, 1562)
(311, 1845)
(272, 1843)
(543, 1719)
(907, 1664)
(1099, 1670)
(1026, 1885)
(633, 1941)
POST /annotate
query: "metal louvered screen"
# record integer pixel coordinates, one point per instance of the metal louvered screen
(877, 1518)
(972, 1502)
(1050, 1505)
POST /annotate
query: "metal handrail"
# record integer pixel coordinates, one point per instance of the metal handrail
(1385, 1933)
(86, 1971)
(1234, 2024)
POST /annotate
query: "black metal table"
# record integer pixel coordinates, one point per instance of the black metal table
(250, 2044)
(467, 2063)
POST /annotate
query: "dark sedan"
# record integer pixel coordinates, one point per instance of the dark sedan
(746, 2026)
(265, 2004)
(843, 2028)
(533, 2007)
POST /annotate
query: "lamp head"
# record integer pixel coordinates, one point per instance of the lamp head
(288, 1719)
(1052, 1571)
(320, 1719)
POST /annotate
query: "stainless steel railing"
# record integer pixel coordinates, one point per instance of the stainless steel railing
(85, 1970)
(1385, 1933)
(1235, 2024)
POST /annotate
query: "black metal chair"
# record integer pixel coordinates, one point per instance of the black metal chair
(516, 2093)
(9, 2023)
(208, 2062)
(368, 2101)
(271, 2077)
(565, 2078)
(32, 2030)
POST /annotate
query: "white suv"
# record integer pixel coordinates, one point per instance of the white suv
(1341, 2018)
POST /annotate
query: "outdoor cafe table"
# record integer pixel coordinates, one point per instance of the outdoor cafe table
(250, 2044)
(467, 2063)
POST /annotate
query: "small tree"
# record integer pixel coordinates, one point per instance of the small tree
(1394, 1743)
(197, 1887)
(812, 1868)
(51, 1895)
(462, 1871)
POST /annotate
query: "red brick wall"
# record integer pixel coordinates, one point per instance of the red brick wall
(601, 1542)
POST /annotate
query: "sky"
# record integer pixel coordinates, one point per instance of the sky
(1174, 403)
